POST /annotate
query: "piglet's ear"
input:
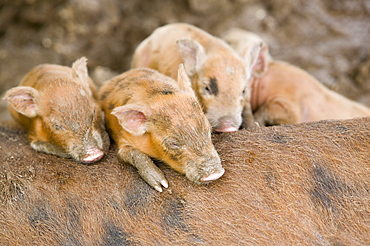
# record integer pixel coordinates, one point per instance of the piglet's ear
(79, 71)
(23, 99)
(132, 118)
(260, 59)
(193, 55)
(184, 81)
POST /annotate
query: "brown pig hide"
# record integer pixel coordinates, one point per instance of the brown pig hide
(304, 184)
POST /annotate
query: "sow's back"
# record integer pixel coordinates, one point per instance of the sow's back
(304, 184)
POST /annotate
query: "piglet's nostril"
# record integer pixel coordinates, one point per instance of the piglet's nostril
(93, 155)
(213, 176)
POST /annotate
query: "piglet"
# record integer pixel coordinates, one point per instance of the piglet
(283, 93)
(56, 105)
(150, 115)
(219, 76)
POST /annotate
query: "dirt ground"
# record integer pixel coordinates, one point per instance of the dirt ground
(330, 39)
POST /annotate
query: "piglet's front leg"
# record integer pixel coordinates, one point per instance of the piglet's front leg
(147, 169)
(49, 148)
(276, 112)
(248, 119)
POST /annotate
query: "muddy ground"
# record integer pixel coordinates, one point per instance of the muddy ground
(330, 39)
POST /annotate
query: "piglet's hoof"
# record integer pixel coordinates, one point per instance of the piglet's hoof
(154, 177)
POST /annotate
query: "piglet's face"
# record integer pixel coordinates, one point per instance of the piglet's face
(185, 138)
(74, 123)
(64, 116)
(221, 82)
(223, 91)
(178, 133)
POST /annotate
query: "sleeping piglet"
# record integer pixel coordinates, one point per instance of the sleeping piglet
(219, 76)
(150, 115)
(56, 105)
(283, 93)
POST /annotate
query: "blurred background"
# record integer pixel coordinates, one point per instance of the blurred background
(330, 39)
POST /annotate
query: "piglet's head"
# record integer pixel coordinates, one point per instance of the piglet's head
(63, 119)
(220, 80)
(173, 129)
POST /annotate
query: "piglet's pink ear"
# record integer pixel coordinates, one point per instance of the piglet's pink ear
(193, 55)
(261, 65)
(23, 99)
(132, 119)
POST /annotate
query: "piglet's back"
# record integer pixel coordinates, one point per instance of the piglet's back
(45, 75)
(139, 83)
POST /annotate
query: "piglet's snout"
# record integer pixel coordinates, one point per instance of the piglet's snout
(213, 176)
(93, 154)
(226, 125)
